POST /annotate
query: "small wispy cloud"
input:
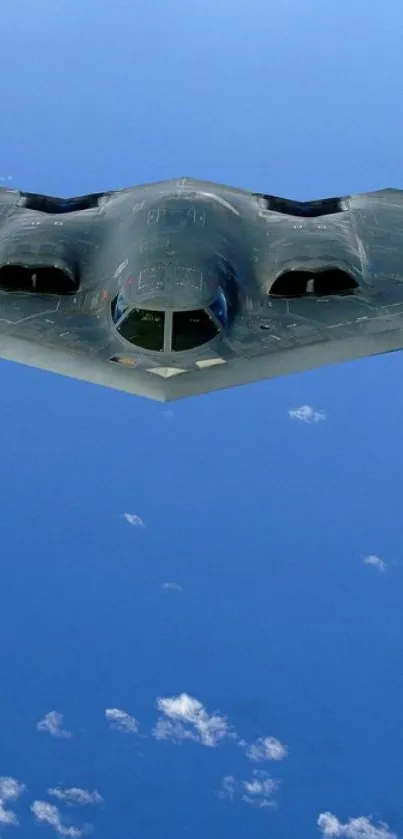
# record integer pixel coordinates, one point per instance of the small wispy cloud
(185, 718)
(176, 732)
(376, 561)
(121, 720)
(359, 828)
(133, 519)
(50, 814)
(307, 414)
(75, 795)
(4, 178)
(172, 587)
(7, 817)
(10, 790)
(259, 790)
(53, 724)
(229, 787)
(267, 748)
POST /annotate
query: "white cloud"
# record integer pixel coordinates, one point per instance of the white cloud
(359, 828)
(50, 814)
(376, 561)
(267, 748)
(174, 731)
(121, 720)
(10, 790)
(181, 711)
(53, 723)
(258, 791)
(229, 787)
(307, 414)
(135, 521)
(172, 586)
(75, 795)
(7, 817)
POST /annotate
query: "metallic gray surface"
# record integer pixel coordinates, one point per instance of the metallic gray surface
(171, 245)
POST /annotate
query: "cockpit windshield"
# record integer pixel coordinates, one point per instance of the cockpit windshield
(119, 307)
(191, 329)
(143, 328)
(219, 309)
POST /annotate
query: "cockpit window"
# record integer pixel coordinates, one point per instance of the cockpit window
(143, 328)
(119, 307)
(191, 329)
(219, 308)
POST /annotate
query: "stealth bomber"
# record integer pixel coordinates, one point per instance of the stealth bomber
(183, 287)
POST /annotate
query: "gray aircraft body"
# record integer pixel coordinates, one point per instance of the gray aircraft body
(182, 287)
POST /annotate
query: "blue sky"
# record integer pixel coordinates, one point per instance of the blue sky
(261, 692)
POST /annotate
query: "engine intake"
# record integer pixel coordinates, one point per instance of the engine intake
(39, 279)
(324, 283)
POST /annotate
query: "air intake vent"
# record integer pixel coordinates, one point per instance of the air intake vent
(331, 281)
(40, 280)
(54, 206)
(304, 209)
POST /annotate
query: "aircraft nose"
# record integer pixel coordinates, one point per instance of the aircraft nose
(170, 286)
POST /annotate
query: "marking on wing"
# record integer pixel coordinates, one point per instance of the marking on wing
(32, 316)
